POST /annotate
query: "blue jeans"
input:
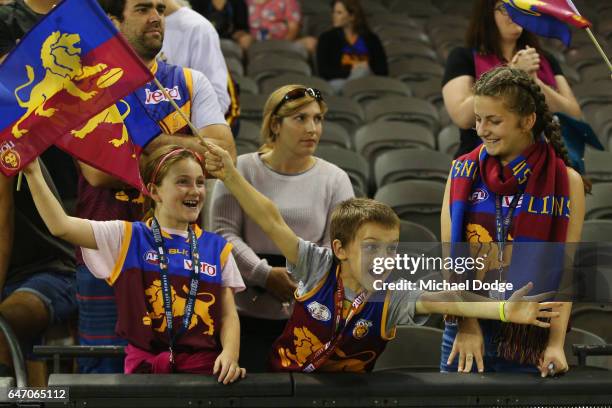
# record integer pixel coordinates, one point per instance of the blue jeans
(491, 359)
(57, 292)
(97, 320)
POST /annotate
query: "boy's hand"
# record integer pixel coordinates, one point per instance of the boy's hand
(227, 367)
(555, 356)
(469, 344)
(218, 162)
(524, 309)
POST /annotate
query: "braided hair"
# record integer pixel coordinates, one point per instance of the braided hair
(523, 96)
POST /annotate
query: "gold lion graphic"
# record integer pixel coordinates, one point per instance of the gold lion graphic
(201, 309)
(62, 62)
(482, 245)
(307, 343)
(110, 115)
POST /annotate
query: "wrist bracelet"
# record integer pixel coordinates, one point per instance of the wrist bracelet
(502, 314)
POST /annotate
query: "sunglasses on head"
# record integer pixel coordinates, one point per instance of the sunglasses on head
(297, 94)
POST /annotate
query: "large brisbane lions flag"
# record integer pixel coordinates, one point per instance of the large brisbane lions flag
(70, 67)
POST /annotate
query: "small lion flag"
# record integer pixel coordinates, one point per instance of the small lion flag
(112, 140)
(547, 18)
(71, 66)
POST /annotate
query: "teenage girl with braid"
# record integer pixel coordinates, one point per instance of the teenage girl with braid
(520, 175)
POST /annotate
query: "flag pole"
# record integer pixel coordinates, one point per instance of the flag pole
(601, 51)
(19, 178)
(195, 130)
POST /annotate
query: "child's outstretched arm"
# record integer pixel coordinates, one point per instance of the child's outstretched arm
(257, 206)
(226, 364)
(519, 308)
(75, 230)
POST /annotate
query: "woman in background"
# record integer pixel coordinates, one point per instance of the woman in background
(493, 39)
(304, 187)
(350, 49)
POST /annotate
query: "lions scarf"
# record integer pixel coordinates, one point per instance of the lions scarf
(542, 216)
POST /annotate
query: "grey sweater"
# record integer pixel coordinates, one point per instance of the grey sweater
(305, 201)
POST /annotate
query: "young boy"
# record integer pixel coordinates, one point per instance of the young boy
(333, 326)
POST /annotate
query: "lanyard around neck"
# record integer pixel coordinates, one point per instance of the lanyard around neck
(167, 289)
(320, 356)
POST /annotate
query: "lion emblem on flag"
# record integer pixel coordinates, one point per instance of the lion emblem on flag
(61, 59)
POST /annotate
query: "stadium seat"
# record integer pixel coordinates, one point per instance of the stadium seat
(414, 347)
(415, 200)
(335, 135)
(315, 7)
(246, 84)
(234, 66)
(580, 336)
(597, 231)
(415, 70)
(594, 318)
(285, 48)
(413, 232)
(231, 49)
(355, 166)
(411, 164)
(378, 21)
(602, 123)
(271, 84)
(594, 92)
(398, 50)
(344, 111)
(596, 72)
(251, 107)
(599, 202)
(598, 165)
(429, 90)
(582, 57)
(399, 34)
(273, 65)
(245, 147)
(317, 24)
(403, 109)
(365, 89)
(374, 138)
(415, 9)
(249, 131)
(371, 7)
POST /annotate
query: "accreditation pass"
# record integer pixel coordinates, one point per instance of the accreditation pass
(50, 394)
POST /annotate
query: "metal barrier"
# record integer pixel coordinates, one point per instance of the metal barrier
(21, 376)
(394, 388)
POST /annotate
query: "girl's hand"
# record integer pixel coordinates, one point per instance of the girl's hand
(227, 367)
(553, 357)
(469, 344)
(218, 162)
(528, 60)
(524, 309)
(33, 168)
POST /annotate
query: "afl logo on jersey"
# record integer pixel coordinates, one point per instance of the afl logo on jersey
(479, 195)
(319, 311)
(151, 257)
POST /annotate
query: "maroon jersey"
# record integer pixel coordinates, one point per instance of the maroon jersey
(312, 325)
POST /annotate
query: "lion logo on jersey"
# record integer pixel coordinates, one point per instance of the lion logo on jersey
(61, 60)
(361, 329)
(307, 343)
(110, 115)
(201, 309)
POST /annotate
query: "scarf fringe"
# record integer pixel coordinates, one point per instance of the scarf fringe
(522, 343)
